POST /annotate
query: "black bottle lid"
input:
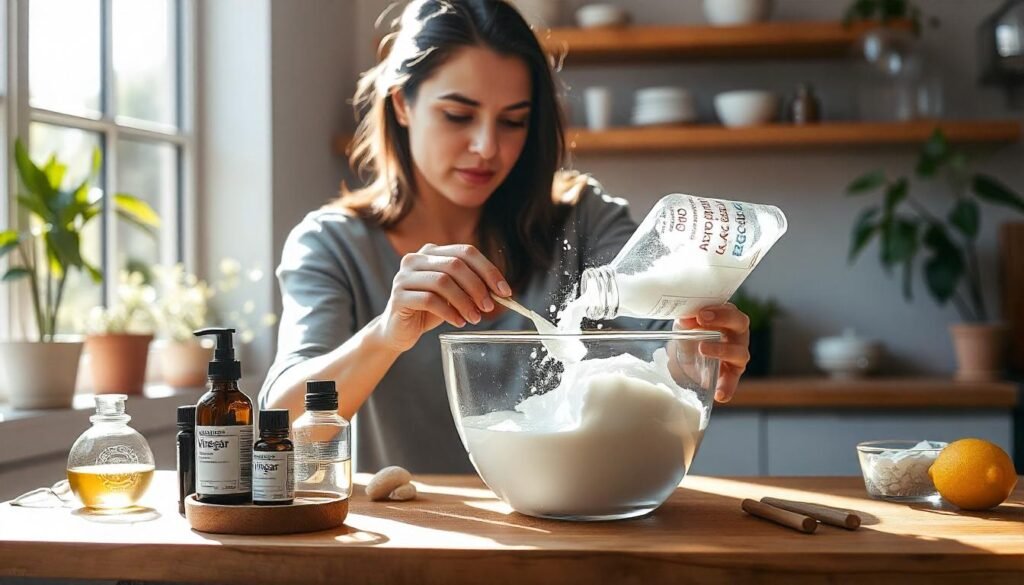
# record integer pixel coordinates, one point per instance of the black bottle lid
(321, 395)
(274, 420)
(187, 416)
(224, 366)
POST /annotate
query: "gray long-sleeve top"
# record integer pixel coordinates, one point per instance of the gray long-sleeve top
(336, 275)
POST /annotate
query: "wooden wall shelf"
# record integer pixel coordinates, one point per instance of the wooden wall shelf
(832, 134)
(770, 40)
(827, 134)
(873, 394)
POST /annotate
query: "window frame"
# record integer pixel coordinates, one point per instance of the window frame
(178, 229)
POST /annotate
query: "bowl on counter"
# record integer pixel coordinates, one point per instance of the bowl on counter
(847, 356)
(898, 470)
(601, 15)
(736, 12)
(737, 109)
(609, 437)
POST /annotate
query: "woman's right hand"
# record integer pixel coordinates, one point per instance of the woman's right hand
(439, 283)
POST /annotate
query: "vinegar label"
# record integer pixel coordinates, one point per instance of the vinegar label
(223, 460)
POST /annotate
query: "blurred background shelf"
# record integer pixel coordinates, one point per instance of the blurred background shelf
(714, 137)
(769, 40)
(873, 393)
(825, 134)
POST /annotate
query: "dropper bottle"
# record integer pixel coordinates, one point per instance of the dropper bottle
(224, 417)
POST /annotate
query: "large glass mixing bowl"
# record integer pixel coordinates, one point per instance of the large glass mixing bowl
(607, 438)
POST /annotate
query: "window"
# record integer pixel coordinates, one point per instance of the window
(115, 75)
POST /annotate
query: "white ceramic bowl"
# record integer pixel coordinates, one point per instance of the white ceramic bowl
(734, 12)
(847, 356)
(746, 107)
(598, 15)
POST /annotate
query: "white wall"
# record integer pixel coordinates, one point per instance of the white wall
(275, 78)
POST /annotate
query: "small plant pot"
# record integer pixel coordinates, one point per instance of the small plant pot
(980, 351)
(39, 375)
(118, 362)
(184, 364)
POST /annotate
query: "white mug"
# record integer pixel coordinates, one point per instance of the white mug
(598, 102)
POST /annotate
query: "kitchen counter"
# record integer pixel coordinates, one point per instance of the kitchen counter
(458, 532)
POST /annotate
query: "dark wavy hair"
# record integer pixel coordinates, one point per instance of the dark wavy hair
(517, 223)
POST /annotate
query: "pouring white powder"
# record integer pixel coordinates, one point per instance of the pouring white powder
(614, 438)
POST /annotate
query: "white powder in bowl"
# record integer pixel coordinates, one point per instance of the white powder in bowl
(615, 438)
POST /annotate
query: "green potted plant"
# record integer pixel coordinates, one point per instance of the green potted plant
(42, 373)
(118, 337)
(761, 313)
(907, 229)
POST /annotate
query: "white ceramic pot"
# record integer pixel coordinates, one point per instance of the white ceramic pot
(734, 12)
(601, 15)
(746, 107)
(540, 13)
(184, 364)
(39, 375)
(847, 356)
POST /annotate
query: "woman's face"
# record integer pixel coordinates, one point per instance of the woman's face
(468, 123)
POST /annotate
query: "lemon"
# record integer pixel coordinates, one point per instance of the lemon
(973, 474)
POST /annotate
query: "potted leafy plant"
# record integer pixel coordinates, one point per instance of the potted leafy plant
(907, 229)
(183, 305)
(118, 337)
(41, 373)
(761, 313)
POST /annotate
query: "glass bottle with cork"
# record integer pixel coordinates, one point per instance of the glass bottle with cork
(224, 417)
(273, 471)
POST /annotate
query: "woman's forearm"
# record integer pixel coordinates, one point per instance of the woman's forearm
(357, 366)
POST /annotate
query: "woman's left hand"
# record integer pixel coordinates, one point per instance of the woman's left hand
(732, 351)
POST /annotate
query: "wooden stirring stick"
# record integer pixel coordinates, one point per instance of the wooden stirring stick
(824, 514)
(511, 304)
(797, 522)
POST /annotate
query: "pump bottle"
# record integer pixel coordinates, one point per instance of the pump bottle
(224, 430)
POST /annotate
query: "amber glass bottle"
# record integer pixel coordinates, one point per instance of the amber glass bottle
(224, 430)
(273, 461)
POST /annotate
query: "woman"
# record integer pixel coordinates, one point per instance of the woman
(461, 140)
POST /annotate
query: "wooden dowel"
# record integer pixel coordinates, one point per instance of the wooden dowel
(824, 514)
(797, 522)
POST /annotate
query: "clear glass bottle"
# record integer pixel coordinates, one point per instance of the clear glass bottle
(322, 438)
(689, 252)
(110, 466)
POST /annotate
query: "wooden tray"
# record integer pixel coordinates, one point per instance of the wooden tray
(310, 512)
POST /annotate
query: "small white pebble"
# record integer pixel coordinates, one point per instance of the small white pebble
(403, 493)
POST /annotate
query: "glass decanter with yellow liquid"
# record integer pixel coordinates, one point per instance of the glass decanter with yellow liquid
(110, 466)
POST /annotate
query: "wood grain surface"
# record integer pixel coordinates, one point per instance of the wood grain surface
(457, 532)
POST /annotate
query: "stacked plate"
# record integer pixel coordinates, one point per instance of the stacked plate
(663, 105)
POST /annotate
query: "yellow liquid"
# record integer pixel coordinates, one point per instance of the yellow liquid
(110, 486)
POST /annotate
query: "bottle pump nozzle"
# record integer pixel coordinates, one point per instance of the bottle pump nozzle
(224, 366)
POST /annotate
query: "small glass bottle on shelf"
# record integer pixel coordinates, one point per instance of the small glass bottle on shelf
(323, 452)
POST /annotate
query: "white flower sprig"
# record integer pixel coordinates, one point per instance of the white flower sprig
(131, 312)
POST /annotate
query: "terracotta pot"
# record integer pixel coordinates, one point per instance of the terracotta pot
(184, 364)
(39, 375)
(118, 362)
(980, 351)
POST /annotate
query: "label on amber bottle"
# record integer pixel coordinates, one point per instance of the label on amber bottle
(223, 460)
(273, 476)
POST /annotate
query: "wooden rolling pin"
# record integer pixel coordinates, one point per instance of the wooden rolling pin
(824, 514)
(797, 522)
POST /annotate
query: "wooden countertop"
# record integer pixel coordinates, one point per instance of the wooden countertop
(458, 532)
(873, 393)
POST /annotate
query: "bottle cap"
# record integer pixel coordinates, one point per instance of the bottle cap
(187, 415)
(224, 366)
(321, 395)
(274, 420)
